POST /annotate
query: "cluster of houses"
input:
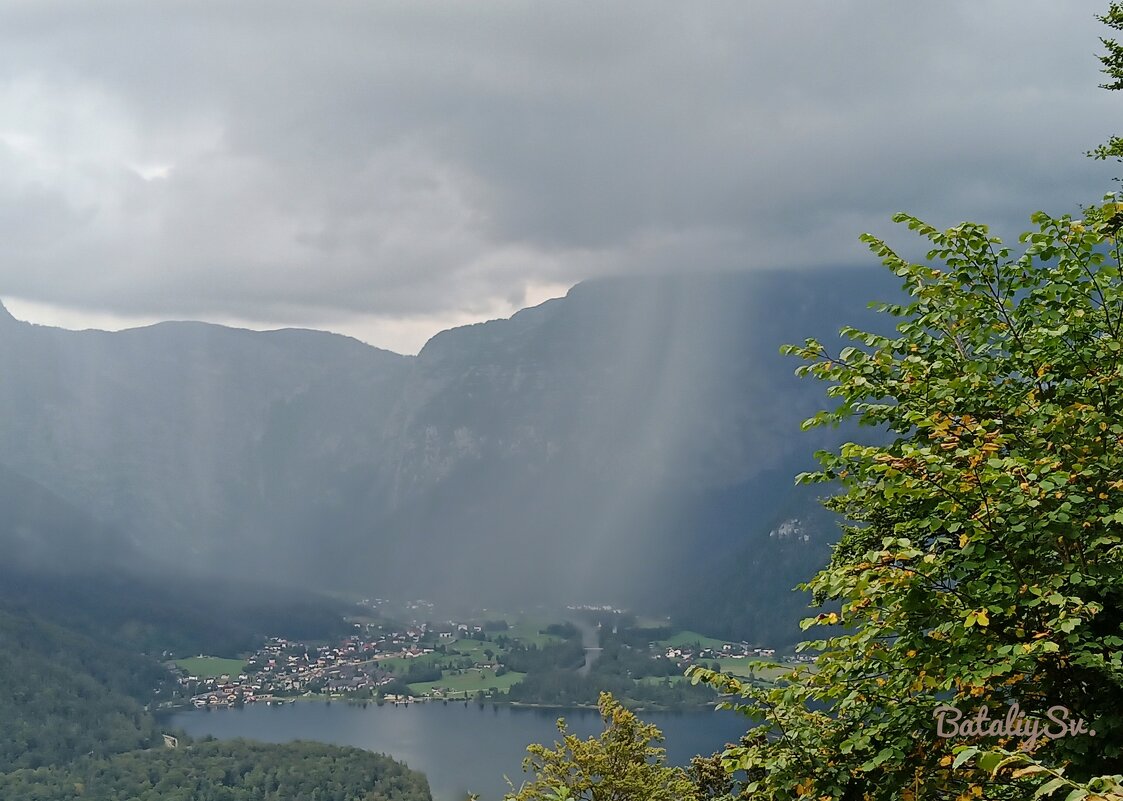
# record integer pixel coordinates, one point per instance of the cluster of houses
(283, 668)
(355, 666)
(222, 691)
(728, 650)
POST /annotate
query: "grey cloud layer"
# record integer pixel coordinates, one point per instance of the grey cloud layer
(285, 161)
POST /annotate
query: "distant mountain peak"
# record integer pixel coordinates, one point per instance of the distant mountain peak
(5, 315)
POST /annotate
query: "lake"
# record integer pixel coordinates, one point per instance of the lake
(460, 748)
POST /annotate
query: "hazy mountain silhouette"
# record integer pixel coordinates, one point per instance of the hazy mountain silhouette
(42, 532)
(623, 443)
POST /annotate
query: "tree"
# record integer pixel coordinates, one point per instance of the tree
(711, 781)
(1112, 62)
(981, 565)
(623, 764)
(982, 562)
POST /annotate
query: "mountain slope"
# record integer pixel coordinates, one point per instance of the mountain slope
(183, 434)
(42, 532)
(76, 725)
(614, 443)
(621, 443)
(65, 696)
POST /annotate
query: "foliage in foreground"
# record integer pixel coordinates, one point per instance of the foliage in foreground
(623, 764)
(983, 566)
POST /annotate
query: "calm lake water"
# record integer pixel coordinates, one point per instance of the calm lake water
(460, 748)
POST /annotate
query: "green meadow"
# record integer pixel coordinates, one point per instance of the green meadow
(468, 683)
(210, 667)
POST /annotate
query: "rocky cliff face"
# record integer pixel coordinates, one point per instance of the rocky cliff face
(605, 443)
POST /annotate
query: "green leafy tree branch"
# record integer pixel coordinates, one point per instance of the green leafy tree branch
(982, 562)
(624, 764)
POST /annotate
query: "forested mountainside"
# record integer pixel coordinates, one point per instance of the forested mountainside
(161, 612)
(76, 725)
(65, 695)
(618, 444)
(228, 771)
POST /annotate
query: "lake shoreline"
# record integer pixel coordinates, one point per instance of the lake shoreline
(187, 706)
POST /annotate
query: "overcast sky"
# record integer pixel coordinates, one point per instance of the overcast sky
(387, 170)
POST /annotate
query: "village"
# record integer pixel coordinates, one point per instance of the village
(283, 670)
(399, 665)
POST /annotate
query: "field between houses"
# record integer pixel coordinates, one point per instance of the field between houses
(754, 667)
(688, 638)
(469, 682)
(529, 632)
(210, 667)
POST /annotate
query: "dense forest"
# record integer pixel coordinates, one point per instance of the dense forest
(63, 695)
(227, 771)
(77, 725)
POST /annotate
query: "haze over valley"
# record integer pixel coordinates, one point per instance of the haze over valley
(456, 401)
(616, 444)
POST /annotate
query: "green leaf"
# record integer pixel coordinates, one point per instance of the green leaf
(964, 755)
(1050, 787)
(989, 761)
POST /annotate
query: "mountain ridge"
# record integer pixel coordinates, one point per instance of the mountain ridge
(6, 317)
(600, 441)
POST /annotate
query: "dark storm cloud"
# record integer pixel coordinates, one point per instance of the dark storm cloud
(300, 162)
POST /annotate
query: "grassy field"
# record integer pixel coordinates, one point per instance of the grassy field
(469, 683)
(769, 671)
(399, 665)
(527, 632)
(751, 666)
(687, 637)
(209, 667)
(736, 667)
(472, 648)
